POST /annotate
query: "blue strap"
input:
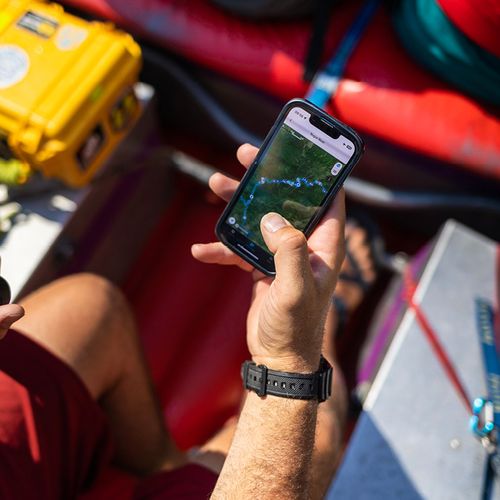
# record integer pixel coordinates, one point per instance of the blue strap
(485, 324)
(488, 409)
(325, 84)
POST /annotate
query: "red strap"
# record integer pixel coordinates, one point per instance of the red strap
(433, 339)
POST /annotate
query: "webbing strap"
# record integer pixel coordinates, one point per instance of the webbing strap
(434, 341)
(325, 84)
(485, 321)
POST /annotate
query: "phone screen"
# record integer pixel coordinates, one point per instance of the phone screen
(294, 176)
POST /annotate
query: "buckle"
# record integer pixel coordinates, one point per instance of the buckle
(260, 371)
(262, 390)
(325, 377)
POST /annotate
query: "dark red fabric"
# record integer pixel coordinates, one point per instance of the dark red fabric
(53, 436)
(479, 20)
(189, 482)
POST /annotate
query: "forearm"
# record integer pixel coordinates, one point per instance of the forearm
(270, 456)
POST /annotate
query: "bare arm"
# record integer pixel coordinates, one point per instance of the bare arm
(270, 456)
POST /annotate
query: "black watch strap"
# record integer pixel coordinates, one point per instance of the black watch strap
(263, 381)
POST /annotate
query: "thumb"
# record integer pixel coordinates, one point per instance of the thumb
(289, 246)
(9, 314)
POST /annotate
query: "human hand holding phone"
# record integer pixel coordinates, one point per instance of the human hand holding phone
(285, 320)
(300, 167)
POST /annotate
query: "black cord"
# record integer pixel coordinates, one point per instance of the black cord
(321, 21)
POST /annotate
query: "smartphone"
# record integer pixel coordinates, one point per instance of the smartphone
(299, 168)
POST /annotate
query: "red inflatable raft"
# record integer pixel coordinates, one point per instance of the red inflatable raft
(384, 93)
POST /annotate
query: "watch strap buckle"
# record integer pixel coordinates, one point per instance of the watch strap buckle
(325, 378)
(254, 377)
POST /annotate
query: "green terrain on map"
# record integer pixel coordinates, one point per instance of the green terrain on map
(292, 179)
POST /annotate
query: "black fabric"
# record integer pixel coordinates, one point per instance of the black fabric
(321, 21)
(267, 9)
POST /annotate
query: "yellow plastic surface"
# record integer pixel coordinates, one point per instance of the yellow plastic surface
(63, 82)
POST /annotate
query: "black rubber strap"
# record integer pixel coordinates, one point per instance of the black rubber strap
(263, 381)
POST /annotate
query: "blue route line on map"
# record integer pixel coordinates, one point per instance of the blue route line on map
(296, 183)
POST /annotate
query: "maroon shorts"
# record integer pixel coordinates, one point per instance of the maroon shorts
(54, 439)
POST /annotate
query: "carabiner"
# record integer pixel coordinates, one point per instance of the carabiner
(482, 413)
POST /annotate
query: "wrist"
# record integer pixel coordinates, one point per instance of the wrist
(292, 363)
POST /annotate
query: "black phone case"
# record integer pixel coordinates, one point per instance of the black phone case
(344, 130)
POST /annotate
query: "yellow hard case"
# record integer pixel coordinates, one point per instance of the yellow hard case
(66, 91)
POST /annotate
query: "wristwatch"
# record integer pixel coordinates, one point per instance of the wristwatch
(263, 381)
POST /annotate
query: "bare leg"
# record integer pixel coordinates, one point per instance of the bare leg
(85, 321)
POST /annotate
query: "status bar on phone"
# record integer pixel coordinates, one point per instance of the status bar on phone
(340, 148)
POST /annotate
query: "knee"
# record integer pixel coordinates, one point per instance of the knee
(92, 285)
(83, 319)
(104, 318)
(94, 294)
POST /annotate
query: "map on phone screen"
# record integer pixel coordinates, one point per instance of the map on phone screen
(293, 177)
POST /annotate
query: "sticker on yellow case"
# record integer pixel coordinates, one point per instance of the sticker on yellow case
(14, 65)
(70, 37)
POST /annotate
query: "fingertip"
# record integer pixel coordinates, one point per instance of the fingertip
(247, 148)
(246, 154)
(214, 179)
(197, 250)
(9, 314)
(273, 222)
(217, 253)
(209, 253)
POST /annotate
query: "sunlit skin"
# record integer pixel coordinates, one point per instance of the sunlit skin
(312, 285)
